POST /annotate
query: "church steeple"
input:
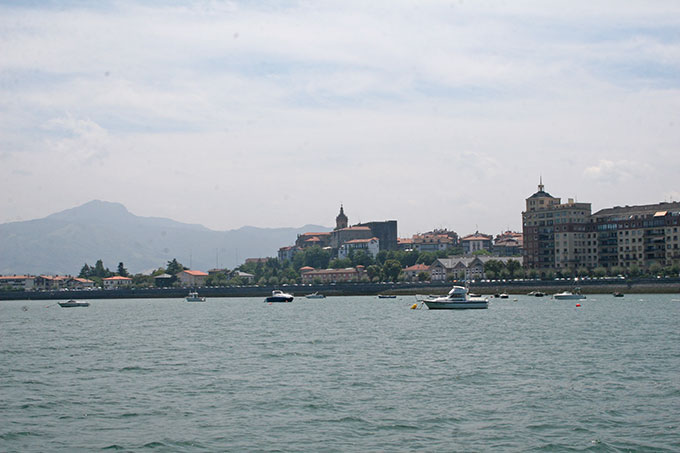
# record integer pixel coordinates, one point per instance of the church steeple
(341, 219)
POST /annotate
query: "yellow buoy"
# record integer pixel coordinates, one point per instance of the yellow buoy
(414, 306)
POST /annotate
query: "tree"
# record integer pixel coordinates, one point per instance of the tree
(423, 276)
(391, 269)
(100, 271)
(85, 272)
(174, 267)
(340, 263)
(513, 266)
(122, 271)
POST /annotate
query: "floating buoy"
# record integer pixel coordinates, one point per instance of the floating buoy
(578, 305)
(414, 306)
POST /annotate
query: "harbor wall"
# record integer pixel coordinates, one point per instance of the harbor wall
(649, 285)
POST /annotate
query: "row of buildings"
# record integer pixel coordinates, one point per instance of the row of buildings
(567, 236)
(372, 237)
(441, 270)
(67, 282)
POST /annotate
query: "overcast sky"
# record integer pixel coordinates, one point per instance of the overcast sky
(272, 113)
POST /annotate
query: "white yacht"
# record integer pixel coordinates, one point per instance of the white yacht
(73, 303)
(315, 295)
(458, 298)
(194, 297)
(279, 296)
(568, 295)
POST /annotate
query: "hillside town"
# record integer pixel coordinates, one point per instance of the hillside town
(557, 240)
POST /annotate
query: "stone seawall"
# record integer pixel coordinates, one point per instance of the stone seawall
(667, 285)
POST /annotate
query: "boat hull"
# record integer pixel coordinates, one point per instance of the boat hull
(568, 297)
(278, 299)
(453, 305)
(73, 304)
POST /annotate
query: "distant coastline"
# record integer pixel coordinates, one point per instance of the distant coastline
(627, 286)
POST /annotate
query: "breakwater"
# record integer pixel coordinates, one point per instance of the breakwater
(601, 286)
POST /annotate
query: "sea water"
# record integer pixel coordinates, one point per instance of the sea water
(341, 374)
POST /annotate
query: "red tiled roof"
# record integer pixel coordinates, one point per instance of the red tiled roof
(418, 267)
(196, 273)
(116, 277)
(360, 241)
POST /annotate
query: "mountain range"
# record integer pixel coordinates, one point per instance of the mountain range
(63, 242)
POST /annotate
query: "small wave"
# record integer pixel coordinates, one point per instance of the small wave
(17, 435)
(154, 445)
(114, 447)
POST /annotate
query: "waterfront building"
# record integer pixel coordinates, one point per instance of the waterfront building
(556, 234)
(305, 240)
(286, 253)
(117, 282)
(464, 268)
(370, 246)
(79, 283)
(412, 272)
(192, 278)
(244, 276)
(350, 274)
(508, 243)
(17, 282)
(637, 236)
(475, 242)
(51, 282)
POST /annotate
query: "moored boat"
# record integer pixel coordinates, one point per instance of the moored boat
(386, 296)
(73, 303)
(315, 295)
(194, 297)
(568, 295)
(617, 294)
(536, 294)
(503, 296)
(458, 298)
(279, 296)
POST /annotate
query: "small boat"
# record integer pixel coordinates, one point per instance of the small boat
(617, 294)
(315, 295)
(568, 295)
(279, 296)
(386, 296)
(194, 297)
(73, 303)
(536, 294)
(503, 296)
(458, 298)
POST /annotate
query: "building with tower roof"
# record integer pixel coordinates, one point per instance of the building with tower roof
(341, 221)
(554, 233)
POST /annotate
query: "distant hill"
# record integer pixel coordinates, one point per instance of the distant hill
(61, 243)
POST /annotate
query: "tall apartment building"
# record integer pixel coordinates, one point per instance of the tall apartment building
(559, 236)
(555, 233)
(639, 236)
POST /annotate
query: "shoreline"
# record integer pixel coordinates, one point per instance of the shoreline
(608, 286)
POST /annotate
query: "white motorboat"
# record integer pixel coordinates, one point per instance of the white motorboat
(315, 295)
(279, 296)
(73, 303)
(568, 295)
(194, 297)
(457, 298)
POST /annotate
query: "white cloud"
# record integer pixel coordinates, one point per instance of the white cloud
(476, 97)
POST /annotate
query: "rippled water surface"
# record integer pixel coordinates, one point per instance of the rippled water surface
(341, 374)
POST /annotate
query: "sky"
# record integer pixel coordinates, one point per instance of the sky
(437, 114)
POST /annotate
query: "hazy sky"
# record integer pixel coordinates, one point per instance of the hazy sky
(272, 113)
